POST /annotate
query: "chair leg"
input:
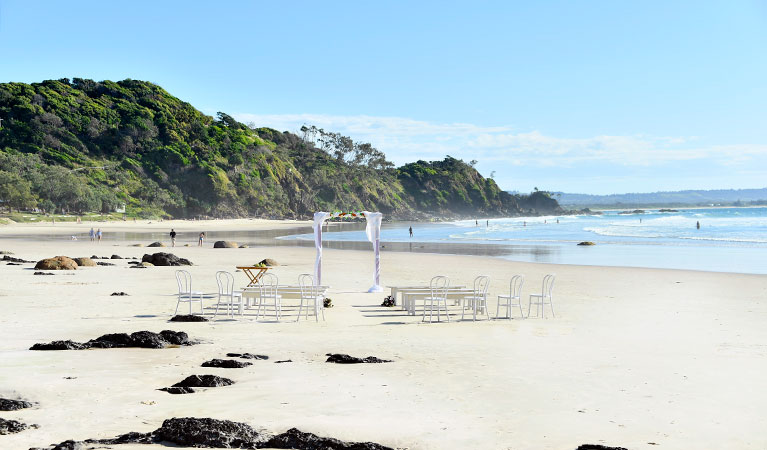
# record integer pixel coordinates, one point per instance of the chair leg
(551, 303)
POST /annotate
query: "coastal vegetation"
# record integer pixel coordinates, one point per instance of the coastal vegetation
(77, 146)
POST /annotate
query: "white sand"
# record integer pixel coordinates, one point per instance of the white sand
(634, 356)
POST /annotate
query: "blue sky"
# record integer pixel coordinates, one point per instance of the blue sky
(593, 97)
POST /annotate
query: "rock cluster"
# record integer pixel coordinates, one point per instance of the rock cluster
(340, 358)
(246, 356)
(42, 273)
(85, 262)
(598, 447)
(7, 404)
(141, 339)
(16, 260)
(118, 294)
(186, 385)
(214, 433)
(11, 426)
(165, 259)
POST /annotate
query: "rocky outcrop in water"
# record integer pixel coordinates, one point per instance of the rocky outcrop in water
(7, 404)
(188, 318)
(340, 358)
(226, 363)
(11, 426)
(141, 339)
(214, 433)
(165, 259)
(56, 263)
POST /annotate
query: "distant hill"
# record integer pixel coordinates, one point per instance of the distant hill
(79, 145)
(674, 198)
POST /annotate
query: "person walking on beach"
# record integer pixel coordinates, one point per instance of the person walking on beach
(411, 231)
(98, 235)
(92, 234)
(172, 237)
(202, 238)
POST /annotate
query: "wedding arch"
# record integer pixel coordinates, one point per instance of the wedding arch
(372, 230)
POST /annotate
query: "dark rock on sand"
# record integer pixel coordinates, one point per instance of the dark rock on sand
(12, 264)
(42, 273)
(204, 381)
(85, 262)
(269, 262)
(586, 243)
(598, 447)
(116, 257)
(188, 318)
(340, 358)
(283, 361)
(225, 244)
(11, 426)
(214, 433)
(156, 244)
(100, 263)
(141, 339)
(246, 356)
(226, 363)
(7, 404)
(15, 260)
(118, 294)
(60, 345)
(178, 390)
(165, 259)
(56, 263)
(194, 432)
(294, 438)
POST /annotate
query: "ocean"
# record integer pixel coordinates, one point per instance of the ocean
(729, 239)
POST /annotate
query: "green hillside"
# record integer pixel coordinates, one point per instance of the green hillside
(79, 145)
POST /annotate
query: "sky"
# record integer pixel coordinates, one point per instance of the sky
(587, 97)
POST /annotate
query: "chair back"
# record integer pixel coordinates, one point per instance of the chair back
(548, 284)
(515, 286)
(268, 284)
(309, 288)
(184, 279)
(438, 286)
(225, 282)
(481, 283)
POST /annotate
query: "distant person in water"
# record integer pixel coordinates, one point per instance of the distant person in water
(411, 231)
(92, 234)
(488, 223)
(98, 235)
(172, 237)
(697, 225)
(202, 238)
(476, 222)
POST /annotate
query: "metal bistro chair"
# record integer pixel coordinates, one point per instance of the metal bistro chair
(544, 298)
(227, 296)
(312, 296)
(438, 287)
(508, 301)
(478, 299)
(268, 286)
(185, 292)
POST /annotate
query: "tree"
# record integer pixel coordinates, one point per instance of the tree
(15, 192)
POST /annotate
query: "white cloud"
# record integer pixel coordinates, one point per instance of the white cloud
(509, 152)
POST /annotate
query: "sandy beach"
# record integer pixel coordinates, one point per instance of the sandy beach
(638, 358)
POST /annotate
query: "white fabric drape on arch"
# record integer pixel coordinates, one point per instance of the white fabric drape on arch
(373, 233)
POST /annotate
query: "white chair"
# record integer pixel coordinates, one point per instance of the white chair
(508, 301)
(185, 292)
(544, 298)
(478, 299)
(227, 296)
(438, 287)
(312, 296)
(268, 287)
